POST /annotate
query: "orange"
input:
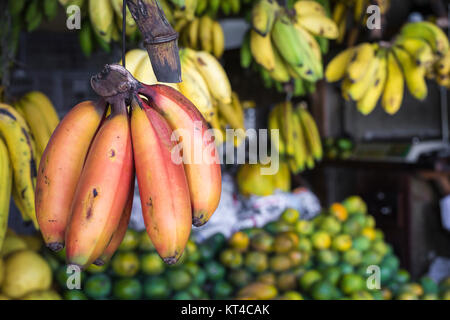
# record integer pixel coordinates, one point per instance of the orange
(339, 211)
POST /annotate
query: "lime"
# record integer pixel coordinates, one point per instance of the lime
(239, 277)
(130, 240)
(332, 274)
(256, 261)
(304, 227)
(370, 222)
(192, 268)
(402, 276)
(297, 257)
(222, 290)
(352, 226)
(322, 290)
(321, 240)
(125, 264)
(352, 257)
(145, 244)
(342, 242)
(239, 241)
(262, 242)
(217, 241)
(391, 262)
(151, 264)
(196, 292)
(74, 295)
(371, 258)
(304, 244)
(385, 274)
(309, 278)
(178, 279)
(206, 252)
(361, 243)
(290, 216)
(380, 247)
(97, 286)
(283, 243)
(292, 295)
(369, 233)
(190, 252)
(355, 204)
(331, 225)
(351, 283)
(286, 281)
(127, 289)
(279, 226)
(214, 270)
(200, 277)
(346, 268)
(156, 288)
(231, 258)
(328, 257)
(280, 262)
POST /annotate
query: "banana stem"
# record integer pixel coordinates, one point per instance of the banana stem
(160, 39)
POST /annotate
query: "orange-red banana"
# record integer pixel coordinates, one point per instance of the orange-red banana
(60, 169)
(102, 190)
(200, 156)
(164, 191)
(119, 234)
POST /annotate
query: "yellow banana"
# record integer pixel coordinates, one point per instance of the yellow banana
(46, 108)
(319, 25)
(286, 114)
(274, 124)
(419, 49)
(19, 204)
(193, 31)
(5, 189)
(218, 42)
(414, 74)
(101, 14)
(443, 65)
(133, 59)
(304, 8)
(263, 16)
(300, 148)
(395, 85)
(360, 61)
(262, 50)
(337, 68)
(311, 133)
(359, 88)
(206, 33)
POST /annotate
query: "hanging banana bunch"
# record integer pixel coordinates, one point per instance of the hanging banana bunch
(374, 71)
(284, 44)
(299, 139)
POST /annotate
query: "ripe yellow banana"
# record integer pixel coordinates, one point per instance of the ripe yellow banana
(133, 59)
(395, 84)
(305, 8)
(311, 133)
(218, 42)
(101, 14)
(300, 148)
(262, 50)
(419, 49)
(46, 108)
(359, 88)
(274, 124)
(337, 68)
(263, 16)
(193, 33)
(5, 189)
(360, 61)
(319, 25)
(206, 33)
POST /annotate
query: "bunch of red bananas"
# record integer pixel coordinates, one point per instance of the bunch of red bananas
(86, 176)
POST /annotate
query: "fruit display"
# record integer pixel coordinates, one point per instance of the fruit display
(205, 83)
(378, 71)
(25, 273)
(321, 259)
(85, 181)
(354, 13)
(299, 139)
(25, 127)
(283, 43)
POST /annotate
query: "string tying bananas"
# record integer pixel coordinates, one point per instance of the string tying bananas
(205, 83)
(285, 46)
(374, 71)
(299, 139)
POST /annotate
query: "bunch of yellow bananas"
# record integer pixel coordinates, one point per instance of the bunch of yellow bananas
(371, 71)
(299, 139)
(284, 43)
(190, 8)
(203, 33)
(205, 83)
(358, 9)
(441, 71)
(24, 132)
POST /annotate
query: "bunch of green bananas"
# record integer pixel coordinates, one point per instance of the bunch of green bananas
(371, 71)
(283, 42)
(24, 132)
(299, 139)
(358, 9)
(203, 33)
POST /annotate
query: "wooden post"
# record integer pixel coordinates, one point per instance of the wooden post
(160, 39)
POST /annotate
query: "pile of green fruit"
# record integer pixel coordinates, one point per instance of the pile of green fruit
(137, 272)
(338, 148)
(325, 258)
